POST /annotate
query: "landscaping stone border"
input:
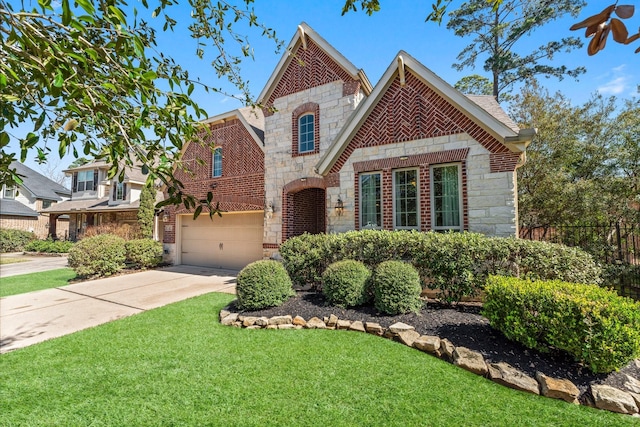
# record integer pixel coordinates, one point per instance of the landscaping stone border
(602, 396)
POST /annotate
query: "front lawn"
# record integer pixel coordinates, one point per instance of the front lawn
(23, 283)
(177, 365)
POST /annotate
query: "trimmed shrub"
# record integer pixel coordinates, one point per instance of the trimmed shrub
(396, 288)
(263, 284)
(101, 255)
(126, 231)
(144, 253)
(305, 257)
(14, 240)
(594, 325)
(346, 283)
(49, 246)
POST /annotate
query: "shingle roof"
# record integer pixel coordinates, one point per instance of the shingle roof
(90, 205)
(39, 185)
(12, 207)
(491, 106)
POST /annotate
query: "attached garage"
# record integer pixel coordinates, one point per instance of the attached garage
(231, 241)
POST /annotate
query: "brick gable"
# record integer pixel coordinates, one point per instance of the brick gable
(415, 111)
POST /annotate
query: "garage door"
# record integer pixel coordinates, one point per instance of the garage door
(231, 241)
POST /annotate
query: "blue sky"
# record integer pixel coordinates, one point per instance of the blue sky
(371, 43)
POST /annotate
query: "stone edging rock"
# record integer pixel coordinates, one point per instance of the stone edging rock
(604, 397)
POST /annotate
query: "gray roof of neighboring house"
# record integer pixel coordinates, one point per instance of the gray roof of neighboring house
(12, 207)
(39, 185)
(90, 205)
(491, 106)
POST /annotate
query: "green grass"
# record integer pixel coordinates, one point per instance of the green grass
(23, 283)
(177, 365)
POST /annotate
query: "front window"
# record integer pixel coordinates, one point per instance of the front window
(217, 162)
(85, 181)
(370, 200)
(46, 204)
(446, 197)
(306, 133)
(9, 192)
(405, 194)
(120, 191)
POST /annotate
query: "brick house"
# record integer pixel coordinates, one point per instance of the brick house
(331, 153)
(97, 199)
(22, 207)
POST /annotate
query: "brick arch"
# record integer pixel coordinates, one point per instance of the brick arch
(308, 107)
(304, 207)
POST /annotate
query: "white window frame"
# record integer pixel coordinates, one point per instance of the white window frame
(381, 204)
(308, 132)
(119, 189)
(395, 224)
(9, 192)
(435, 227)
(213, 163)
(90, 172)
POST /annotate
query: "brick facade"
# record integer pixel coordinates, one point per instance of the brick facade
(38, 225)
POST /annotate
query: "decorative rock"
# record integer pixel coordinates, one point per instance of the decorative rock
(315, 323)
(272, 327)
(508, 376)
(230, 319)
(280, 320)
(408, 337)
(224, 313)
(262, 321)
(374, 328)
(286, 326)
(632, 384)
(254, 327)
(612, 399)
(249, 321)
(333, 321)
(298, 320)
(636, 397)
(470, 360)
(396, 328)
(325, 319)
(343, 324)
(558, 388)
(428, 343)
(357, 326)
(446, 348)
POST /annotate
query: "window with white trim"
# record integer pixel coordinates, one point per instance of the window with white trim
(370, 200)
(9, 192)
(120, 191)
(306, 131)
(405, 199)
(85, 180)
(446, 197)
(217, 163)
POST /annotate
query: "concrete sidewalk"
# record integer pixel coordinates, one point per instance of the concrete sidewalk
(38, 316)
(31, 264)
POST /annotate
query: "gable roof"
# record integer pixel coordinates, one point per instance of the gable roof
(39, 185)
(303, 38)
(251, 118)
(15, 208)
(398, 73)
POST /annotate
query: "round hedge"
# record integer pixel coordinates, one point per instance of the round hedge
(346, 283)
(396, 287)
(263, 284)
(101, 255)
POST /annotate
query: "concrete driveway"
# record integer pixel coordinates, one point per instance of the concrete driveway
(31, 264)
(38, 316)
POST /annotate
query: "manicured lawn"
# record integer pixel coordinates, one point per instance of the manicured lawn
(178, 366)
(24, 283)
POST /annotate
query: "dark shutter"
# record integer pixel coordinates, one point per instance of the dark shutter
(75, 181)
(124, 191)
(115, 191)
(95, 179)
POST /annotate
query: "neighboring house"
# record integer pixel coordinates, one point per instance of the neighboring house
(99, 200)
(331, 153)
(21, 206)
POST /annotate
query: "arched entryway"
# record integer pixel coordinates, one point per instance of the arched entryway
(304, 208)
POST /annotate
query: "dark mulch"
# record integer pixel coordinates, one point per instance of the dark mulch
(464, 326)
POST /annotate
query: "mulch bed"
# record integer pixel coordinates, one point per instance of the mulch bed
(464, 326)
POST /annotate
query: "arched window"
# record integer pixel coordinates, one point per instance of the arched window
(306, 142)
(217, 162)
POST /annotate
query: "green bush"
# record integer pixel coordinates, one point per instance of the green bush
(144, 253)
(457, 264)
(396, 288)
(49, 246)
(263, 284)
(594, 325)
(14, 240)
(101, 255)
(346, 283)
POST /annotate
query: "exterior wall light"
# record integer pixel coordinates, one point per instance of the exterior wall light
(339, 206)
(268, 212)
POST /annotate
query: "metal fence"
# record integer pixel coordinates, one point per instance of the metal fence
(615, 245)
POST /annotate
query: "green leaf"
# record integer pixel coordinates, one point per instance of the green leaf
(87, 5)
(40, 121)
(3, 80)
(150, 75)
(58, 81)
(92, 53)
(66, 12)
